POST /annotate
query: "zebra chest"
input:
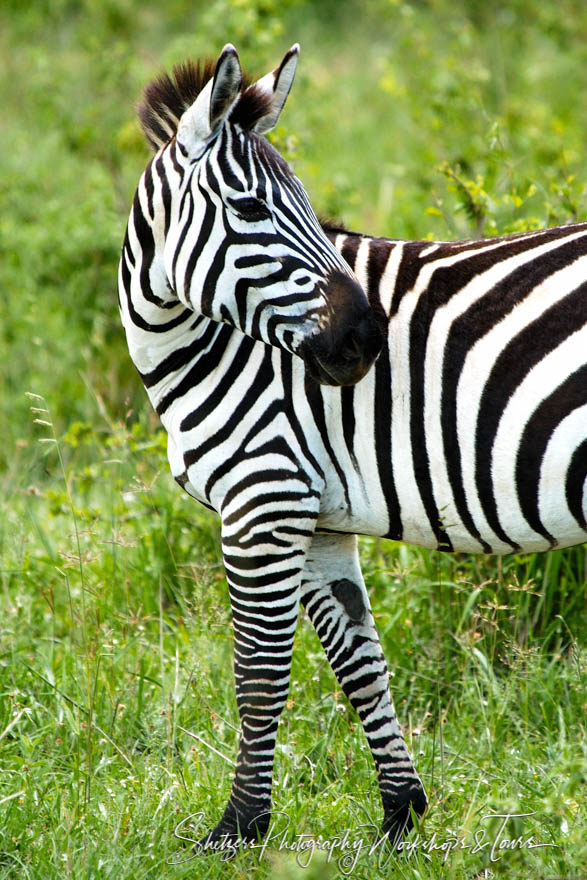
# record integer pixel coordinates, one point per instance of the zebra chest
(229, 431)
(207, 459)
(207, 447)
(193, 478)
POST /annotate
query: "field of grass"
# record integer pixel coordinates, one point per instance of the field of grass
(117, 710)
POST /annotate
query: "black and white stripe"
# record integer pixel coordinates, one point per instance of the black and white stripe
(243, 318)
(483, 386)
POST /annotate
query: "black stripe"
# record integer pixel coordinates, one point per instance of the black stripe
(451, 279)
(172, 151)
(126, 257)
(149, 188)
(276, 447)
(481, 256)
(379, 253)
(260, 580)
(204, 233)
(316, 404)
(145, 236)
(178, 358)
(297, 225)
(444, 283)
(407, 273)
(259, 383)
(576, 476)
(347, 401)
(298, 501)
(281, 274)
(286, 374)
(350, 248)
(187, 223)
(419, 328)
(225, 146)
(249, 261)
(222, 388)
(258, 561)
(537, 433)
(137, 319)
(238, 539)
(217, 336)
(383, 420)
(165, 191)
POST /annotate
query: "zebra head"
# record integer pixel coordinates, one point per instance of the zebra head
(240, 241)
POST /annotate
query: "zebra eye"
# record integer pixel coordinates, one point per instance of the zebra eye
(250, 209)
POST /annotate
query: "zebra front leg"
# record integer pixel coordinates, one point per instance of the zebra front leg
(264, 558)
(334, 594)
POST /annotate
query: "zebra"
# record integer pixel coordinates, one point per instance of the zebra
(316, 384)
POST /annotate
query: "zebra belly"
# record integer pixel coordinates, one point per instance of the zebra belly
(365, 520)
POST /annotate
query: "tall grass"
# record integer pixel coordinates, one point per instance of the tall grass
(117, 710)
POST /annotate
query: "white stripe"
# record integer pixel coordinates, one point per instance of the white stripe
(389, 277)
(426, 252)
(361, 262)
(340, 240)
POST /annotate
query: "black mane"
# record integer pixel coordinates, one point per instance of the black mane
(166, 98)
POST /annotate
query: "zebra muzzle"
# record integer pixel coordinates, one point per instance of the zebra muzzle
(344, 351)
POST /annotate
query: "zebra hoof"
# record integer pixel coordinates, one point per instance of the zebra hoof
(234, 831)
(398, 822)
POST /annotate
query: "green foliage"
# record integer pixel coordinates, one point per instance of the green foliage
(423, 119)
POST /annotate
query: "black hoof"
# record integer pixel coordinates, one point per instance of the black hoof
(235, 831)
(398, 822)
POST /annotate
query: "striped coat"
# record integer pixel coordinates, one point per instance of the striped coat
(478, 402)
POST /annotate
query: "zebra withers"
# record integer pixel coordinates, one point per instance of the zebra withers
(242, 317)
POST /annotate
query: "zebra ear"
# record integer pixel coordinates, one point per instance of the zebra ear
(202, 119)
(276, 86)
(226, 85)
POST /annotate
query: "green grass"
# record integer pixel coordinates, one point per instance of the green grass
(116, 650)
(423, 119)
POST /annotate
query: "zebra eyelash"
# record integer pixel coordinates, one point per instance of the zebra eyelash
(250, 209)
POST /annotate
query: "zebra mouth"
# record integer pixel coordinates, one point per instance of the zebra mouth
(349, 362)
(336, 374)
(344, 351)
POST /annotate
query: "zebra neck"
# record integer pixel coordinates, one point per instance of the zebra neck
(193, 354)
